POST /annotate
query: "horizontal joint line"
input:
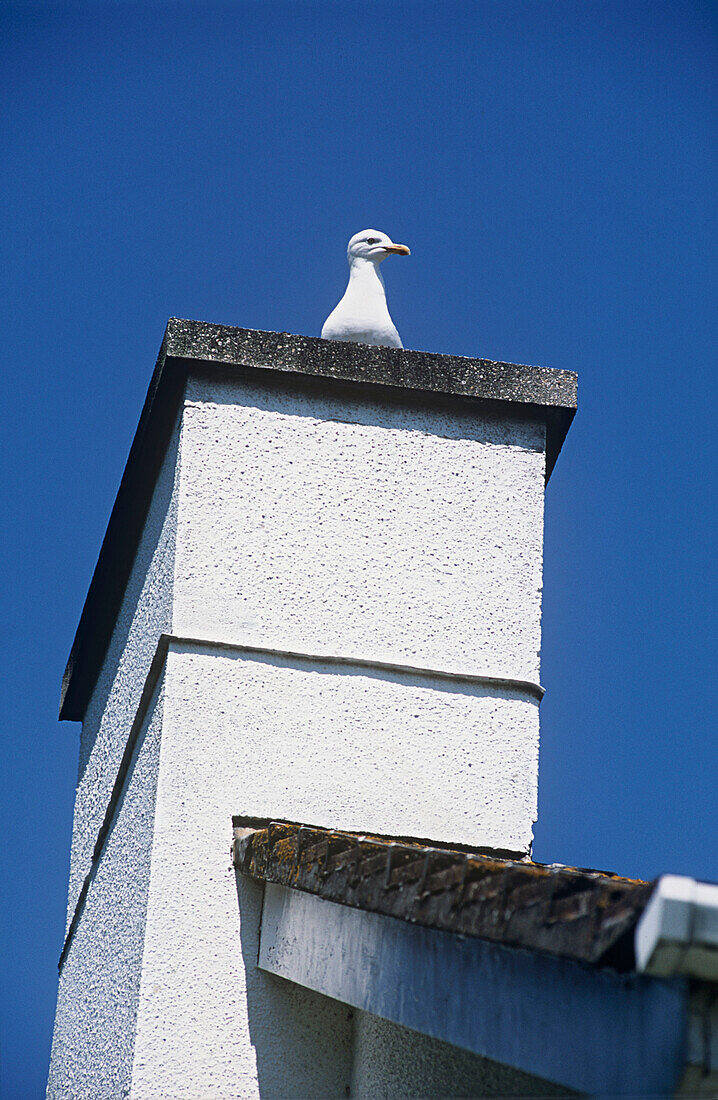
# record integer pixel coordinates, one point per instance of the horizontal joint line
(487, 679)
(165, 640)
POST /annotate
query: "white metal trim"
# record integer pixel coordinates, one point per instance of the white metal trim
(678, 931)
(592, 1030)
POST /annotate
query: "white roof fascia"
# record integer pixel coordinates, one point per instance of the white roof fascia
(678, 932)
(587, 1028)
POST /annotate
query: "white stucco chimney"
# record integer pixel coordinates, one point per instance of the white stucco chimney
(319, 599)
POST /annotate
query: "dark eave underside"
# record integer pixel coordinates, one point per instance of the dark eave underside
(276, 357)
(584, 915)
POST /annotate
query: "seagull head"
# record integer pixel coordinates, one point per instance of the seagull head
(373, 246)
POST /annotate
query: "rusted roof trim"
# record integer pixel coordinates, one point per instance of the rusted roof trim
(579, 914)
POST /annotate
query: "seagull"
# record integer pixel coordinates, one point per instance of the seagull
(362, 315)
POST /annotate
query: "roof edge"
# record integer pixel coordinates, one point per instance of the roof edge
(588, 916)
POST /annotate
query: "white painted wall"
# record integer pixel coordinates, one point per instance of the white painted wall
(146, 611)
(95, 1024)
(327, 527)
(309, 522)
(353, 749)
(209, 1024)
(395, 1063)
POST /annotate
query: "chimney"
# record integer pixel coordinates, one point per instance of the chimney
(318, 599)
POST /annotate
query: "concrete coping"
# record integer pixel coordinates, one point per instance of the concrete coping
(280, 358)
(453, 375)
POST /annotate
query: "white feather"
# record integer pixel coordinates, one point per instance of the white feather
(362, 315)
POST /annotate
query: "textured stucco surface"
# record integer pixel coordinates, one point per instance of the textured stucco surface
(209, 1024)
(270, 736)
(391, 1062)
(99, 987)
(325, 525)
(369, 751)
(146, 612)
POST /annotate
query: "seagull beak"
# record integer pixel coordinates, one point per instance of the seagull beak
(400, 249)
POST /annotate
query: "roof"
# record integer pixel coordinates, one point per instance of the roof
(196, 346)
(588, 916)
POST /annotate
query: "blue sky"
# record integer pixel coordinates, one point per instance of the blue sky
(552, 166)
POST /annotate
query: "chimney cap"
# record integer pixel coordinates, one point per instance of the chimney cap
(428, 372)
(506, 389)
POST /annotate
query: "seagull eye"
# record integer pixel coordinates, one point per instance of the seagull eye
(372, 240)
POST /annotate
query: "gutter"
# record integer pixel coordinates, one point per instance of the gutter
(678, 931)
